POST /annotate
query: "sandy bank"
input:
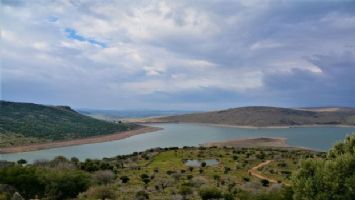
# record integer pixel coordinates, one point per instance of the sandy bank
(262, 142)
(250, 142)
(88, 140)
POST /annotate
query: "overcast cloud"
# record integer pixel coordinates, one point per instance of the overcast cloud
(178, 54)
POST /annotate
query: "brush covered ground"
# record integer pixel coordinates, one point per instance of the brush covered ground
(27, 123)
(160, 174)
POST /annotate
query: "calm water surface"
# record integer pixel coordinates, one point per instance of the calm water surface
(178, 135)
(197, 163)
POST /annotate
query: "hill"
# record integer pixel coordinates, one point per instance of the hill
(26, 123)
(114, 115)
(260, 116)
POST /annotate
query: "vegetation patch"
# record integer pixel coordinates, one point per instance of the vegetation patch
(27, 123)
(242, 173)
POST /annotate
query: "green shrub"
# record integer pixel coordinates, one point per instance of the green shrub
(265, 182)
(21, 161)
(210, 193)
(246, 179)
(142, 195)
(330, 178)
(27, 180)
(100, 192)
(185, 190)
(124, 179)
(66, 184)
(104, 176)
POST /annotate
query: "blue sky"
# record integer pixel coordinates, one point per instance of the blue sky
(190, 55)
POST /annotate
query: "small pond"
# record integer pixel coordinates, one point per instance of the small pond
(197, 163)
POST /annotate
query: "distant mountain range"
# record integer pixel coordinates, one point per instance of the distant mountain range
(26, 123)
(261, 116)
(114, 115)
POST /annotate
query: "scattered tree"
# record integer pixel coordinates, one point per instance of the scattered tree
(21, 161)
(265, 182)
(210, 193)
(104, 176)
(124, 179)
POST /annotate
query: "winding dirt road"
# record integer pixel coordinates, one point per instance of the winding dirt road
(254, 172)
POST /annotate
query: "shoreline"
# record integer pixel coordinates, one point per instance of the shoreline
(80, 141)
(255, 127)
(250, 142)
(256, 142)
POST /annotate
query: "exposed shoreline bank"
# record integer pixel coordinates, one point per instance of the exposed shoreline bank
(256, 142)
(250, 142)
(80, 141)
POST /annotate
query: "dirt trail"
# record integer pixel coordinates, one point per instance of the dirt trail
(254, 172)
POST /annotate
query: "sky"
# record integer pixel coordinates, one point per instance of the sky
(178, 55)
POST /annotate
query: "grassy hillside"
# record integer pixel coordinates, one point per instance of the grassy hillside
(267, 116)
(24, 123)
(188, 173)
(163, 174)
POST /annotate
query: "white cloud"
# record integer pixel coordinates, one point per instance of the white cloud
(172, 47)
(265, 45)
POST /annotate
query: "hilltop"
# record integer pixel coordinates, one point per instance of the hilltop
(261, 116)
(28, 123)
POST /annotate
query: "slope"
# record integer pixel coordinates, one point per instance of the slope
(24, 123)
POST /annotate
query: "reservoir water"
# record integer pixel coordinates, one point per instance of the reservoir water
(179, 135)
(197, 163)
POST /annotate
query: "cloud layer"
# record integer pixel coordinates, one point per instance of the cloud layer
(178, 54)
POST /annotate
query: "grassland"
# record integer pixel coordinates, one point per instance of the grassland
(231, 175)
(163, 173)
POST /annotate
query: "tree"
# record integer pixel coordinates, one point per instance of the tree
(226, 169)
(74, 160)
(329, 178)
(210, 193)
(146, 180)
(21, 161)
(100, 192)
(17, 196)
(89, 165)
(185, 191)
(124, 179)
(104, 176)
(66, 184)
(216, 177)
(265, 182)
(142, 195)
(27, 180)
(191, 169)
(144, 176)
